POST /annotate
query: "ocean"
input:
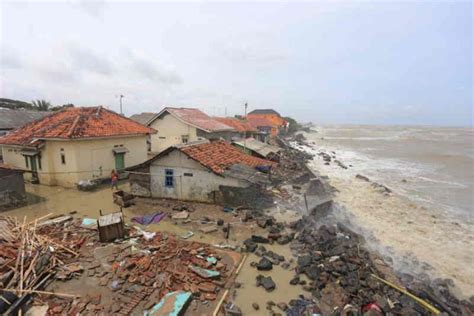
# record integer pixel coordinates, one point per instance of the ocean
(426, 225)
(433, 166)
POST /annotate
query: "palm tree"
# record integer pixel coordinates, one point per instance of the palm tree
(41, 105)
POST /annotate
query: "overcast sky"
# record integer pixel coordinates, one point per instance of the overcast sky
(347, 62)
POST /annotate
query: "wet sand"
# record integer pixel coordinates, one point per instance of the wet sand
(419, 239)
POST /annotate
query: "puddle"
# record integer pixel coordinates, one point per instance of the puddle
(249, 293)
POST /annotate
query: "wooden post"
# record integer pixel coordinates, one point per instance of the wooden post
(306, 202)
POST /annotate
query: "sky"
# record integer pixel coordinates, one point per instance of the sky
(360, 62)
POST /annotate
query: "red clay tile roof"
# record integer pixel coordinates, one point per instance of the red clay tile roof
(238, 125)
(256, 121)
(220, 155)
(74, 123)
(198, 119)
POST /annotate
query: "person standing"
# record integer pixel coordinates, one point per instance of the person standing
(114, 179)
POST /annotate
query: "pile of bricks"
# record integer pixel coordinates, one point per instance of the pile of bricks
(135, 273)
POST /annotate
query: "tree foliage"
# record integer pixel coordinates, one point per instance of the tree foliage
(41, 105)
(37, 105)
(293, 126)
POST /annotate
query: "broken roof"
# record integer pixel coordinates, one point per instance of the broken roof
(244, 172)
(259, 147)
(264, 111)
(216, 156)
(196, 118)
(11, 119)
(237, 124)
(75, 123)
(143, 118)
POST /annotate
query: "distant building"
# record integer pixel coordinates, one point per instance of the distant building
(243, 127)
(215, 172)
(264, 126)
(12, 187)
(76, 144)
(12, 119)
(271, 118)
(182, 125)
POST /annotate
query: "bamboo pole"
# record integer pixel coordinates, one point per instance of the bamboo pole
(423, 303)
(58, 245)
(218, 307)
(40, 292)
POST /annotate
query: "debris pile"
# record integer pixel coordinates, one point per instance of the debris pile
(123, 277)
(29, 259)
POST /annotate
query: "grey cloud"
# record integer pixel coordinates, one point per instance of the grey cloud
(8, 60)
(85, 59)
(252, 53)
(95, 8)
(152, 71)
(57, 72)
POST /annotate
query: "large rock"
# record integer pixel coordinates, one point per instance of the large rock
(304, 261)
(266, 282)
(264, 265)
(260, 239)
(250, 245)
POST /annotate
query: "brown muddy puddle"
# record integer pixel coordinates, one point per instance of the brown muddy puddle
(60, 201)
(249, 293)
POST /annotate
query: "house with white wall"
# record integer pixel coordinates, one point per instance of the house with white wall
(204, 172)
(176, 126)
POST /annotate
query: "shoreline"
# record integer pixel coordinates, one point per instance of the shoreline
(411, 235)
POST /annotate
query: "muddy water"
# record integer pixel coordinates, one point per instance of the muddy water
(58, 201)
(249, 293)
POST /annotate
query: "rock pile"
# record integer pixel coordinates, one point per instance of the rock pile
(343, 275)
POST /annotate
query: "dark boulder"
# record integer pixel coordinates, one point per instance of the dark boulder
(266, 282)
(264, 265)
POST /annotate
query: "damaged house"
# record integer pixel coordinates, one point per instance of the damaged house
(75, 144)
(181, 126)
(258, 149)
(213, 172)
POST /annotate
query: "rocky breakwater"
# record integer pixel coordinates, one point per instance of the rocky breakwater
(346, 278)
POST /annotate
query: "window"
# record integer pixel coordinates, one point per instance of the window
(39, 162)
(26, 162)
(169, 180)
(188, 174)
(63, 156)
(184, 139)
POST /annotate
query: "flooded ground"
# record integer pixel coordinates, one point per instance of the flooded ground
(59, 201)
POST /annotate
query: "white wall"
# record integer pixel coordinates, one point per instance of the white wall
(84, 158)
(170, 132)
(198, 187)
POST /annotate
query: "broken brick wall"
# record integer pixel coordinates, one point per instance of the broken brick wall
(140, 182)
(253, 196)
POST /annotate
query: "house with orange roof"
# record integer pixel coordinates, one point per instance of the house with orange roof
(243, 128)
(74, 144)
(268, 119)
(214, 172)
(176, 126)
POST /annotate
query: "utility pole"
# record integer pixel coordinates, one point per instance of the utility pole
(121, 96)
(245, 131)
